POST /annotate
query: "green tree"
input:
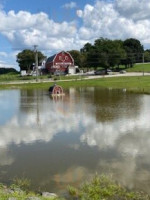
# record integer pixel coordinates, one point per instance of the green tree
(89, 56)
(147, 55)
(87, 47)
(104, 53)
(111, 52)
(134, 51)
(26, 59)
(77, 57)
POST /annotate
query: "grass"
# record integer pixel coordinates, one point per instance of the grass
(21, 195)
(98, 188)
(104, 188)
(139, 84)
(139, 68)
(15, 77)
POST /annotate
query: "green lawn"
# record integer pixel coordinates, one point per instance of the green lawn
(139, 68)
(139, 84)
(15, 77)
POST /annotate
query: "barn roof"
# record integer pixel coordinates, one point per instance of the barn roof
(50, 59)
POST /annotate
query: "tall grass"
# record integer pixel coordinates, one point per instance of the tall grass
(104, 188)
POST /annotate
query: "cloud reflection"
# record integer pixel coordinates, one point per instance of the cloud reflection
(5, 157)
(28, 128)
(127, 136)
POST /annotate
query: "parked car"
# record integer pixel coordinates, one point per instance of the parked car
(90, 73)
(58, 73)
(100, 72)
(109, 70)
(122, 72)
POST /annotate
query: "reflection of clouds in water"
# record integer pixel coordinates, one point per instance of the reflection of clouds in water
(72, 175)
(128, 172)
(52, 121)
(127, 137)
(5, 157)
(26, 130)
(106, 134)
(122, 170)
(8, 107)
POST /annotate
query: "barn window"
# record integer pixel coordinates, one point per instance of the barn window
(66, 57)
(60, 58)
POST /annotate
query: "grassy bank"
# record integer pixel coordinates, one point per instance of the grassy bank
(139, 84)
(99, 188)
(10, 77)
(145, 67)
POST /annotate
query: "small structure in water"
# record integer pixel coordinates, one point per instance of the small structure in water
(56, 90)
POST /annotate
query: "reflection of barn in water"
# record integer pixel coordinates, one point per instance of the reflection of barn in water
(56, 90)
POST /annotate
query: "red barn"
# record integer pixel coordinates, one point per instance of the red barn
(60, 63)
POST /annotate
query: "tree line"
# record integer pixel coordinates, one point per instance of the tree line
(108, 53)
(104, 53)
(4, 70)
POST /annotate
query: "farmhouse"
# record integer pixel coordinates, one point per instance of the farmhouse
(61, 63)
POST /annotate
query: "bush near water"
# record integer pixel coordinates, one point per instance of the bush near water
(99, 188)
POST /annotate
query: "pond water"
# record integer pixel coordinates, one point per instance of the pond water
(62, 141)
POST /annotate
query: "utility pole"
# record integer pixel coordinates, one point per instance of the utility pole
(143, 57)
(143, 62)
(36, 61)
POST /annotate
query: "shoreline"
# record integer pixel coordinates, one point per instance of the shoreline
(132, 82)
(99, 187)
(82, 77)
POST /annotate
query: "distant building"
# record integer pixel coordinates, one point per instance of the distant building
(61, 63)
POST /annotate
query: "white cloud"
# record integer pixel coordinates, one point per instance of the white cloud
(79, 13)
(6, 65)
(24, 30)
(115, 20)
(107, 19)
(103, 19)
(134, 9)
(3, 54)
(70, 5)
(118, 19)
(7, 60)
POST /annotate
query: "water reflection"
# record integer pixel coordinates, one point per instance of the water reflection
(55, 142)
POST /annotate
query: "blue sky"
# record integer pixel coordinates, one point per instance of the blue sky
(53, 8)
(66, 25)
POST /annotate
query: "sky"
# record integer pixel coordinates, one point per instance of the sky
(66, 25)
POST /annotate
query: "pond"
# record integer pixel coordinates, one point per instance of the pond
(61, 141)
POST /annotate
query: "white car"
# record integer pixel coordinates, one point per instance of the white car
(122, 72)
(90, 73)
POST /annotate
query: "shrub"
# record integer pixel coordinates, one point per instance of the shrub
(103, 188)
